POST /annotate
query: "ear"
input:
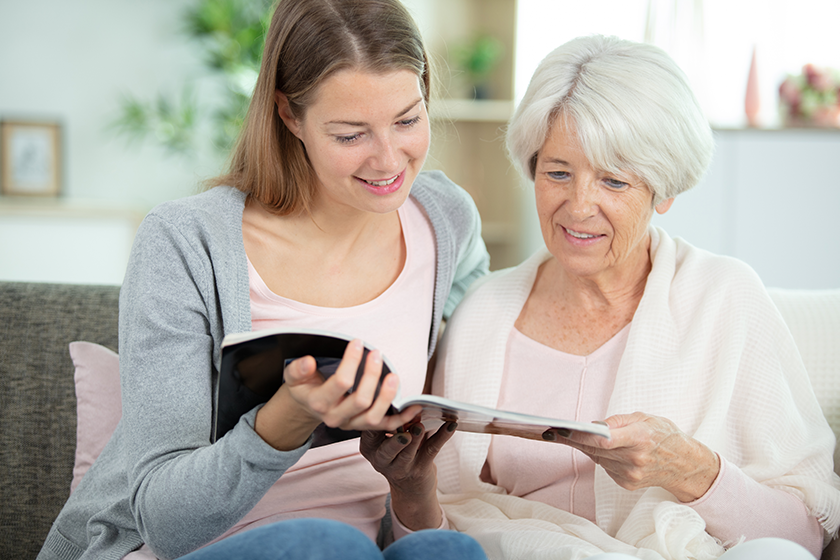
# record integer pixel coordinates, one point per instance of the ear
(285, 112)
(663, 206)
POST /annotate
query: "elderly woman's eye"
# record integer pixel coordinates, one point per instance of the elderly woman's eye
(615, 183)
(558, 174)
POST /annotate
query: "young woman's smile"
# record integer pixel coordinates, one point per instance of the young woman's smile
(386, 186)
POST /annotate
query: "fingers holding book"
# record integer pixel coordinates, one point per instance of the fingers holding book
(350, 402)
(310, 396)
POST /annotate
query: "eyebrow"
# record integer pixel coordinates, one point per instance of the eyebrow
(398, 115)
(556, 161)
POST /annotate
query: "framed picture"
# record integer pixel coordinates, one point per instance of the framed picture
(30, 163)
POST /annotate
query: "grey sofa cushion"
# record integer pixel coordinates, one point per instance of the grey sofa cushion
(37, 400)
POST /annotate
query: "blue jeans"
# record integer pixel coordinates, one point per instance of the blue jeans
(324, 539)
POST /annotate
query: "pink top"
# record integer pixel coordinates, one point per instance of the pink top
(558, 385)
(335, 481)
(543, 381)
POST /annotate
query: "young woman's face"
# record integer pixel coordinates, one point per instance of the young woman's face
(366, 136)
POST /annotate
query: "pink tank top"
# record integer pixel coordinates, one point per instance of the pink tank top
(543, 381)
(335, 481)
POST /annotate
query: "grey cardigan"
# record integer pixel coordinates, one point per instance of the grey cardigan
(159, 480)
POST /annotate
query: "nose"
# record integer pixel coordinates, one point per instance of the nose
(385, 156)
(582, 199)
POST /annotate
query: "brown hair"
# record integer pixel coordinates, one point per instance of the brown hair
(307, 41)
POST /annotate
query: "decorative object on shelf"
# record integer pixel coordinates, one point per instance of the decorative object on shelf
(31, 158)
(232, 34)
(477, 59)
(811, 98)
(752, 101)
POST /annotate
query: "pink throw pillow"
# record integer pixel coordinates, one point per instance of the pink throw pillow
(98, 406)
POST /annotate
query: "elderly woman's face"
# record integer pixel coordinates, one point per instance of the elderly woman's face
(592, 221)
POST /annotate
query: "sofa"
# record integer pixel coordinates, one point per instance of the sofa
(38, 401)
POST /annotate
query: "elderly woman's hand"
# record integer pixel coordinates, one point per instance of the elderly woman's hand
(645, 451)
(406, 459)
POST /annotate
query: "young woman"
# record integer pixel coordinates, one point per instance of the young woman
(312, 227)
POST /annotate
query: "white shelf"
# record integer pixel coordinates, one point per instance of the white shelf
(59, 207)
(65, 240)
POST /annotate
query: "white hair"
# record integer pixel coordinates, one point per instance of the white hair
(633, 109)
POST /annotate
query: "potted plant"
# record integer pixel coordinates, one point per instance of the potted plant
(811, 98)
(232, 35)
(476, 60)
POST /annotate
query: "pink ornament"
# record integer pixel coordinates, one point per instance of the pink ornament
(752, 102)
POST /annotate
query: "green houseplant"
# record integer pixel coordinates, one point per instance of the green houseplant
(231, 34)
(476, 59)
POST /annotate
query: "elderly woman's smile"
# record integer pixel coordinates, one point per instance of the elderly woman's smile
(580, 235)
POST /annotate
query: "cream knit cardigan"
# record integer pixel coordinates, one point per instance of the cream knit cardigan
(707, 349)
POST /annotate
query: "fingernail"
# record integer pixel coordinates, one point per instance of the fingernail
(402, 439)
(549, 435)
(357, 344)
(376, 357)
(451, 427)
(416, 430)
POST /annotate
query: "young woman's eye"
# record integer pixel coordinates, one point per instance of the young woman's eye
(348, 139)
(407, 123)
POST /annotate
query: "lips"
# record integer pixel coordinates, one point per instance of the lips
(384, 186)
(384, 183)
(579, 234)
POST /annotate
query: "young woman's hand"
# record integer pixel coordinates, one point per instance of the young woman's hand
(406, 459)
(305, 400)
(645, 451)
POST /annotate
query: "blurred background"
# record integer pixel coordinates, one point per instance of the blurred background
(109, 107)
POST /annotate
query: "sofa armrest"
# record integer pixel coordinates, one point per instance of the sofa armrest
(38, 401)
(813, 317)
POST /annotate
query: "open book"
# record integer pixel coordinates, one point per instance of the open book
(252, 371)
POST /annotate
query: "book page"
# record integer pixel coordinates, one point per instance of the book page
(482, 420)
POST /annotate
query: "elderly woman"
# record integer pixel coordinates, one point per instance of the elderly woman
(718, 447)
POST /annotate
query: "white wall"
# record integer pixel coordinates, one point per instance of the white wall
(715, 54)
(77, 245)
(71, 60)
(771, 198)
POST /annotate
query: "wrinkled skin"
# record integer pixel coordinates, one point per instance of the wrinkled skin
(406, 459)
(645, 451)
